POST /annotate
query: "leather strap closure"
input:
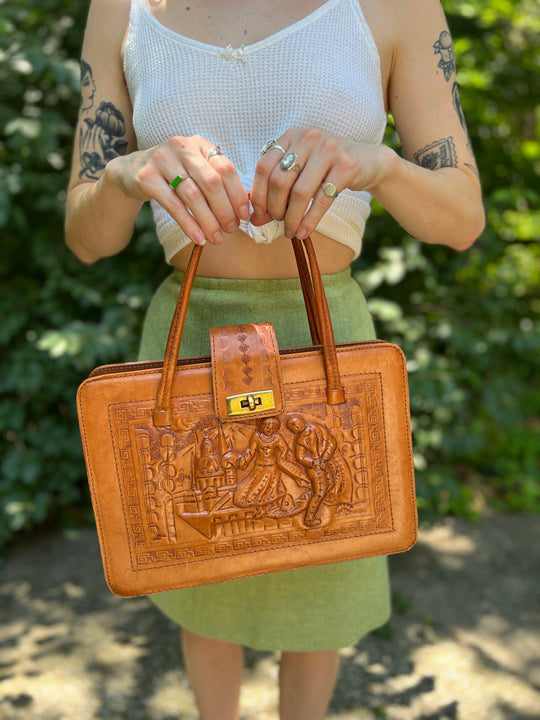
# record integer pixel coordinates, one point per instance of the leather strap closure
(316, 308)
(246, 371)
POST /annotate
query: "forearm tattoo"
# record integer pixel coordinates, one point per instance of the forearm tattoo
(444, 47)
(440, 154)
(102, 130)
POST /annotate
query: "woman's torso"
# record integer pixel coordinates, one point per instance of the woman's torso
(220, 24)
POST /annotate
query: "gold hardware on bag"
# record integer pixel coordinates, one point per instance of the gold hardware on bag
(251, 402)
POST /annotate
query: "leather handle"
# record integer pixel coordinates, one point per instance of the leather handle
(307, 290)
(316, 309)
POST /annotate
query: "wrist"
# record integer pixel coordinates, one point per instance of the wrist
(387, 168)
(115, 178)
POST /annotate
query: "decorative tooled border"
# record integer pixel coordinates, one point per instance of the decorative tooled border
(178, 554)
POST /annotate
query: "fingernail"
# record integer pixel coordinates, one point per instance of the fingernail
(302, 233)
(258, 211)
(218, 237)
(289, 234)
(199, 239)
(244, 212)
(232, 227)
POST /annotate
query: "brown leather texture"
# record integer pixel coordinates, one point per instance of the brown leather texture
(245, 359)
(252, 463)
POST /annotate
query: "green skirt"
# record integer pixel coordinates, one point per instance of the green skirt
(321, 608)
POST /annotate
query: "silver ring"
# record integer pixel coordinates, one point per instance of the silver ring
(290, 162)
(330, 190)
(272, 145)
(216, 150)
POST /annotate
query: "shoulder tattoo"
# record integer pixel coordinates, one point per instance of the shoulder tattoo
(445, 48)
(441, 153)
(102, 130)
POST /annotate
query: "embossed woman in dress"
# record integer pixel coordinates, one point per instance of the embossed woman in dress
(264, 488)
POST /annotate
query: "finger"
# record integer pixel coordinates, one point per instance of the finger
(289, 173)
(218, 182)
(195, 200)
(272, 153)
(237, 194)
(305, 194)
(328, 166)
(322, 202)
(310, 152)
(163, 186)
(173, 204)
(187, 198)
(165, 178)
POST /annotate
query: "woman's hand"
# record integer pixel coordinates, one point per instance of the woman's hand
(325, 164)
(196, 184)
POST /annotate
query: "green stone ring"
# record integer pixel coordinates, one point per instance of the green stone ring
(176, 182)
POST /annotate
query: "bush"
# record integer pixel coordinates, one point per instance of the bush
(59, 318)
(468, 322)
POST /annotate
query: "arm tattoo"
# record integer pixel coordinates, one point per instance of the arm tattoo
(447, 62)
(473, 168)
(461, 115)
(441, 153)
(445, 48)
(457, 106)
(102, 133)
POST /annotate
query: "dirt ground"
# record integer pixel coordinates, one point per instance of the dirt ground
(463, 643)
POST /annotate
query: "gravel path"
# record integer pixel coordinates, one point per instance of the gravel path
(463, 644)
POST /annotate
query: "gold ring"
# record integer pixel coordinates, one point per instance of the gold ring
(330, 190)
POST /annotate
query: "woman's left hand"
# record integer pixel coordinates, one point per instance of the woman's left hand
(322, 165)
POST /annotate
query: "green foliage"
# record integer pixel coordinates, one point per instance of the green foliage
(59, 318)
(468, 322)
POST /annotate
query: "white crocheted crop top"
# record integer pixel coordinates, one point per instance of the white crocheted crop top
(322, 71)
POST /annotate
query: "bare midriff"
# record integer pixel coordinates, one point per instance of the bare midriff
(238, 256)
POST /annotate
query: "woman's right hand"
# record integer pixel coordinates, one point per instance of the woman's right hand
(209, 198)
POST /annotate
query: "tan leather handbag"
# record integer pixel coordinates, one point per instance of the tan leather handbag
(253, 460)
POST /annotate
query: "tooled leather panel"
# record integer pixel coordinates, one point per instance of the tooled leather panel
(204, 489)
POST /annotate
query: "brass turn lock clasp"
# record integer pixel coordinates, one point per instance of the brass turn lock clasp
(250, 403)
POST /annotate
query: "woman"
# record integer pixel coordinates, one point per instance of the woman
(296, 95)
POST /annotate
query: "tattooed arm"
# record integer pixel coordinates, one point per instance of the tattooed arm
(111, 179)
(435, 192)
(99, 216)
